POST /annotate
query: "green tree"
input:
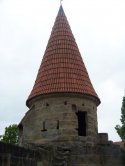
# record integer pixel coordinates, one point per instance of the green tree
(121, 129)
(10, 135)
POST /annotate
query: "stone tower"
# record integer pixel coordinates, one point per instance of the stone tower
(63, 103)
(62, 116)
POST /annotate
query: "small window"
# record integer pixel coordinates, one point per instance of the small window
(44, 128)
(57, 124)
(65, 103)
(74, 108)
(47, 104)
(20, 130)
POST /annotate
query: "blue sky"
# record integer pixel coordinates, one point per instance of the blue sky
(99, 29)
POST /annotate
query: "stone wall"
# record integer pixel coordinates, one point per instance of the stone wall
(62, 154)
(16, 156)
(11, 155)
(55, 119)
(99, 155)
(78, 154)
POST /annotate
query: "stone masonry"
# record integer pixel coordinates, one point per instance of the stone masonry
(62, 119)
(62, 154)
(54, 118)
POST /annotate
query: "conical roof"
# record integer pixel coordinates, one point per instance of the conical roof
(62, 68)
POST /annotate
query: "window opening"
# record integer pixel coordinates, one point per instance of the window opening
(57, 124)
(47, 104)
(65, 103)
(20, 130)
(81, 123)
(74, 107)
(44, 128)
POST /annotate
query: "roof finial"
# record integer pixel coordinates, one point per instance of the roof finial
(61, 2)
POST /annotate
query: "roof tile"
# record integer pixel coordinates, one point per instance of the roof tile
(62, 68)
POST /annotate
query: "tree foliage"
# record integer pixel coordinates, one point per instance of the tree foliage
(10, 135)
(121, 129)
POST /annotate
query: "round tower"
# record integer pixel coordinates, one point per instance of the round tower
(63, 103)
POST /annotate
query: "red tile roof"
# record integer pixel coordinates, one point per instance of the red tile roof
(62, 68)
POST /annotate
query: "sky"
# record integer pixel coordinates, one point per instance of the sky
(99, 30)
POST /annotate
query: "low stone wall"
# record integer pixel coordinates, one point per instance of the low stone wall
(99, 155)
(11, 155)
(63, 154)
